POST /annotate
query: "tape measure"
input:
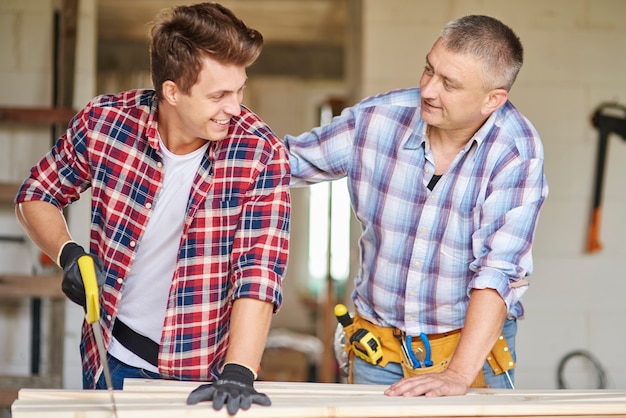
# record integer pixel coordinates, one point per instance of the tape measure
(367, 346)
(364, 344)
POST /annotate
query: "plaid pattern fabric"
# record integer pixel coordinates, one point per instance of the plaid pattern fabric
(234, 241)
(422, 251)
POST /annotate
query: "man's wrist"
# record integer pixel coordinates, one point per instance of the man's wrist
(61, 257)
(464, 375)
(239, 373)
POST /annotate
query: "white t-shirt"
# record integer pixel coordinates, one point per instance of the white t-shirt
(146, 289)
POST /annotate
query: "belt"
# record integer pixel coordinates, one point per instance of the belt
(139, 344)
(389, 338)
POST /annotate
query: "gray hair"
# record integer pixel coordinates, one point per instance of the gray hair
(492, 43)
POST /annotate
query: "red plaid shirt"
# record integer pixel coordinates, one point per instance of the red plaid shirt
(235, 237)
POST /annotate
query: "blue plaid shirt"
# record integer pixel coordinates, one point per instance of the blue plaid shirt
(423, 251)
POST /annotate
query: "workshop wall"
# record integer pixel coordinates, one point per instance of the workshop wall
(21, 85)
(575, 60)
(26, 48)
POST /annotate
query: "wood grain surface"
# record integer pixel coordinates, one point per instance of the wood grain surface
(160, 398)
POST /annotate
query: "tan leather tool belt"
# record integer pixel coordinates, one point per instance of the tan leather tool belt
(442, 347)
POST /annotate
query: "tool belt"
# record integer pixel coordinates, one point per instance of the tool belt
(442, 347)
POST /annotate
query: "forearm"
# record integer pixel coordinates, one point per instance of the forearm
(249, 326)
(483, 324)
(45, 225)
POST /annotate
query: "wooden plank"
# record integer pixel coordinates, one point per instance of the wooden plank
(66, 60)
(33, 381)
(37, 286)
(9, 386)
(7, 397)
(56, 338)
(313, 400)
(8, 190)
(36, 115)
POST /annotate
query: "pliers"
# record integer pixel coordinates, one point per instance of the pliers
(422, 359)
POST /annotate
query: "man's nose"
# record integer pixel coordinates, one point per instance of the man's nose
(232, 106)
(429, 87)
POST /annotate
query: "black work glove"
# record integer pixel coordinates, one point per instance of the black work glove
(234, 388)
(72, 284)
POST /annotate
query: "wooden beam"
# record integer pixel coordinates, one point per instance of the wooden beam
(7, 397)
(31, 382)
(10, 386)
(161, 399)
(36, 115)
(64, 80)
(67, 53)
(38, 286)
(8, 190)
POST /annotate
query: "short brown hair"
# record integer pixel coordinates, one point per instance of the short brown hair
(182, 35)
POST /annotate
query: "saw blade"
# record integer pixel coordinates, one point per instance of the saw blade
(97, 332)
(92, 316)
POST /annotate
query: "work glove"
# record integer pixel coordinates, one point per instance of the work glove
(234, 388)
(72, 284)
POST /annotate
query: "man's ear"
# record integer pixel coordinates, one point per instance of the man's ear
(494, 100)
(169, 91)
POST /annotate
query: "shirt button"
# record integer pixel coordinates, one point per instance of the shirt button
(148, 205)
(159, 164)
(132, 244)
(120, 280)
(417, 263)
(109, 318)
(412, 293)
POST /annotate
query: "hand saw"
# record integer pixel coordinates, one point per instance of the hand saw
(92, 315)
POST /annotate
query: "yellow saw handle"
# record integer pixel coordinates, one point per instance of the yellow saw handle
(88, 273)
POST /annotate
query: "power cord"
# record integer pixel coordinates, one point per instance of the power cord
(599, 370)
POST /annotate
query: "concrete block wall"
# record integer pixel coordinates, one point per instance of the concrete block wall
(575, 59)
(26, 48)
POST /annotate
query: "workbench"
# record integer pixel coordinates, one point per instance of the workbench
(166, 399)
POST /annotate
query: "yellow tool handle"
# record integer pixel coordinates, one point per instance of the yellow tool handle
(88, 273)
(342, 315)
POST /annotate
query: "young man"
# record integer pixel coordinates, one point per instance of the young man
(190, 213)
(447, 181)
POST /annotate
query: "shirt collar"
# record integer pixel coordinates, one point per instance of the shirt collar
(483, 132)
(417, 137)
(153, 124)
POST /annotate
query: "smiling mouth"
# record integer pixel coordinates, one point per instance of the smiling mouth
(429, 106)
(221, 121)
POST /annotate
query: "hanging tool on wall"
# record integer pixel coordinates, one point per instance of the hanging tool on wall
(608, 118)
